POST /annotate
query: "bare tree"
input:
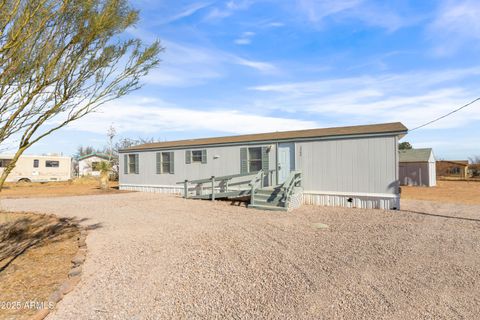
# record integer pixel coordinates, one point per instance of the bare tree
(111, 133)
(62, 59)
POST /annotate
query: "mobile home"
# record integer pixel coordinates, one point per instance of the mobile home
(31, 168)
(347, 166)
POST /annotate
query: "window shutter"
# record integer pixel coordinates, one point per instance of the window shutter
(172, 161)
(159, 162)
(264, 159)
(204, 156)
(125, 164)
(243, 160)
(188, 156)
(137, 164)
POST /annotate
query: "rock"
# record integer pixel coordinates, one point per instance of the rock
(320, 226)
(75, 272)
(68, 285)
(56, 296)
(78, 259)
(81, 241)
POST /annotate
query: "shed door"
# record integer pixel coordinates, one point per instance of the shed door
(286, 160)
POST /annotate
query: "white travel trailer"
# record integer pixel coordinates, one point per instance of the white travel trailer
(33, 168)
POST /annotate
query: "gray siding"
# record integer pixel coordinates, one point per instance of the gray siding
(356, 165)
(227, 163)
(362, 165)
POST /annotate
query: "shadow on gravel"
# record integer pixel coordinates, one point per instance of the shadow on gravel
(21, 234)
(442, 216)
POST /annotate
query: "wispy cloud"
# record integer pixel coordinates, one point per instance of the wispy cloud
(185, 12)
(457, 21)
(186, 65)
(316, 10)
(245, 38)
(368, 12)
(413, 98)
(263, 67)
(153, 116)
(228, 9)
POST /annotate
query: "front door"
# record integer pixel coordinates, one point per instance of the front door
(286, 160)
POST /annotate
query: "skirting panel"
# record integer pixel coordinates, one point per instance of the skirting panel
(352, 201)
(154, 189)
(296, 200)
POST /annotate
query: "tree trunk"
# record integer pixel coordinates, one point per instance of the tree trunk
(11, 166)
(104, 181)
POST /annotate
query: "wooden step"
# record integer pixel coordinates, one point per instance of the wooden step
(267, 207)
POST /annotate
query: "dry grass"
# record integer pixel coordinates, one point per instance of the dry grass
(466, 192)
(35, 258)
(81, 186)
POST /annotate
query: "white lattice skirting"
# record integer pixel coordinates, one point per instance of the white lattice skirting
(330, 199)
(352, 200)
(154, 189)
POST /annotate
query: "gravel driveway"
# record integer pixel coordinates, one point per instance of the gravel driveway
(156, 257)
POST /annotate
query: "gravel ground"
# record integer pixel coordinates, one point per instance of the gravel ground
(157, 257)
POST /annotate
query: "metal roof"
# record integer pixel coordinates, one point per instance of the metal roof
(415, 155)
(384, 128)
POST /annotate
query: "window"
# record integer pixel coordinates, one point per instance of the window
(197, 156)
(165, 162)
(52, 164)
(132, 163)
(4, 162)
(36, 163)
(254, 159)
(455, 170)
(95, 166)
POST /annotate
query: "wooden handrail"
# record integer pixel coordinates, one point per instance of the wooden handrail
(254, 184)
(294, 179)
(258, 177)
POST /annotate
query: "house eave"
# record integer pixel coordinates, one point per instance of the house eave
(271, 141)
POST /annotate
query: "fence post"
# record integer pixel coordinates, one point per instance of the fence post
(185, 189)
(213, 188)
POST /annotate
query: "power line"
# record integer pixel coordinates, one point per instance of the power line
(446, 115)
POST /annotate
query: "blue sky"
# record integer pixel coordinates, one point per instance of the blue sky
(243, 66)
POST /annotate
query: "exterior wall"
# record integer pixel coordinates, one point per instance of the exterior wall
(221, 161)
(85, 166)
(446, 169)
(415, 174)
(361, 172)
(432, 171)
(24, 169)
(361, 165)
(357, 172)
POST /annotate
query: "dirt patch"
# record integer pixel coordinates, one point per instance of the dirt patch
(467, 192)
(188, 259)
(35, 258)
(89, 186)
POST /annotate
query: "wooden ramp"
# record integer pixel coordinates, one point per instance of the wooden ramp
(253, 189)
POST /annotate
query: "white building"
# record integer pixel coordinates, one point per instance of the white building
(87, 165)
(417, 168)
